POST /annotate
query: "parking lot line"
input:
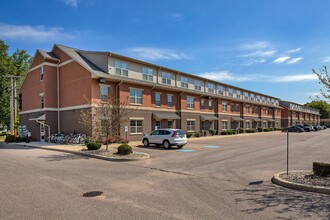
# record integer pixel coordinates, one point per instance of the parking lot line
(185, 150)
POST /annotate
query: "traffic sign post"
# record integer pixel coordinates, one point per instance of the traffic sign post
(126, 130)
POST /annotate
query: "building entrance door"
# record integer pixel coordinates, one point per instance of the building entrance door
(42, 132)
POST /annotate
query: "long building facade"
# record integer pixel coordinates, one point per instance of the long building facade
(295, 114)
(62, 82)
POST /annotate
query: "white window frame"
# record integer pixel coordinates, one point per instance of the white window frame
(147, 74)
(170, 123)
(190, 105)
(221, 90)
(224, 107)
(158, 94)
(102, 86)
(198, 85)
(210, 103)
(135, 128)
(42, 75)
(230, 92)
(210, 87)
(191, 125)
(136, 98)
(170, 102)
(158, 123)
(121, 68)
(224, 122)
(184, 82)
(247, 124)
(166, 78)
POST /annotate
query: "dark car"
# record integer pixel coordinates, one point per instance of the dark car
(293, 129)
(317, 127)
(307, 127)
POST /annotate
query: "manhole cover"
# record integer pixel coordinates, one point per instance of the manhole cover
(92, 194)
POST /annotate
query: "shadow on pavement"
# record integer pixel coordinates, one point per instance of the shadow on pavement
(284, 201)
(13, 147)
(62, 156)
(156, 147)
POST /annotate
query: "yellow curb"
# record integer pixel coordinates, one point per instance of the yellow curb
(297, 186)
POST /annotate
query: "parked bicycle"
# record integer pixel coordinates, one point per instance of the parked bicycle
(73, 138)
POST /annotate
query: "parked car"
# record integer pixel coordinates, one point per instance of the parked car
(307, 127)
(293, 129)
(317, 127)
(3, 129)
(166, 137)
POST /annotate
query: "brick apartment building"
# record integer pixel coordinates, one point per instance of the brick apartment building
(294, 114)
(60, 83)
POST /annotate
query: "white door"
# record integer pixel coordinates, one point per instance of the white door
(42, 132)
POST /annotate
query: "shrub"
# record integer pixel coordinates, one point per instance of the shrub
(231, 132)
(93, 145)
(259, 129)
(224, 132)
(197, 134)
(189, 134)
(110, 140)
(241, 130)
(10, 138)
(212, 132)
(125, 149)
(321, 169)
(267, 129)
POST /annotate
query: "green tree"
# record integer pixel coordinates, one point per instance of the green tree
(323, 106)
(324, 79)
(17, 64)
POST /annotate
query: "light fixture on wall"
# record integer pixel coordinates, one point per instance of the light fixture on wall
(102, 80)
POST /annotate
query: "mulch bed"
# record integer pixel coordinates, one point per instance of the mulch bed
(112, 153)
(306, 178)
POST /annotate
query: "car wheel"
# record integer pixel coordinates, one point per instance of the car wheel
(180, 146)
(145, 143)
(166, 144)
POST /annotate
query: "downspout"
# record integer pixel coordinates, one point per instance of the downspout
(117, 89)
(180, 108)
(58, 98)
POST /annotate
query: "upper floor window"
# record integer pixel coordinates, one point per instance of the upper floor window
(20, 101)
(147, 74)
(166, 78)
(230, 92)
(210, 87)
(42, 100)
(210, 105)
(184, 82)
(232, 107)
(238, 94)
(104, 92)
(157, 99)
(41, 73)
(252, 97)
(221, 90)
(224, 106)
(135, 96)
(247, 109)
(121, 68)
(202, 104)
(190, 102)
(237, 107)
(170, 100)
(246, 95)
(263, 99)
(258, 98)
(198, 85)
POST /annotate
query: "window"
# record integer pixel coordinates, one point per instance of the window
(121, 68)
(41, 73)
(258, 98)
(264, 111)
(190, 125)
(277, 112)
(202, 125)
(20, 101)
(104, 92)
(277, 124)
(198, 85)
(264, 124)
(224, 125)
(246, 95)
(42, 101)
(268, 101)
(247, 125)
(224, 106)
(256, 110)
(190, 102)
(210, 104)
(135, 96)
(166, 78)
(147, 74)
(136, 126)
(232, 107)
(157, 99)
(230, 92)
(170, 101)
(221, 90)
(238, 94)
(202, 104)
(237, 107)
(263, 99)
(157, 125)
(252, 108)
(252, 97)
(169, 124)
(210, 88)
(247, 109)
(184, 82)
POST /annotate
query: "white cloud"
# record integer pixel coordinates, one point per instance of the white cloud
(281, 59)
(149, 53)
(72, 3)
(255, 45)
(294, 60)
(326, 59)
(33, 33)
(294, 50)
(260, 53)
(251, 61)
(176, 16)
(295, 78)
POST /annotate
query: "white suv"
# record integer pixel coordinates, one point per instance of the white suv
(166, 137)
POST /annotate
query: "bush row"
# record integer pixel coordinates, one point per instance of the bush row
(321, 169)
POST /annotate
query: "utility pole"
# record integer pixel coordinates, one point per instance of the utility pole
(13, 102)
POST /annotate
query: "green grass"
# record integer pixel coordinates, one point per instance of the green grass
(2, 138)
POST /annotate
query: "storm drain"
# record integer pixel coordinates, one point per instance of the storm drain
(92, 194)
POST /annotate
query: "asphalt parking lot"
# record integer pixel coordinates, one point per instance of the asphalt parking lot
(217, 178)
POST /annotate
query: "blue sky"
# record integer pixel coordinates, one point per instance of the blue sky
(265, 46)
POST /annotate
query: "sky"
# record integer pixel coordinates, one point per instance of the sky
(266, 46)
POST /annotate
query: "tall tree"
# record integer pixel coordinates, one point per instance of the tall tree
(323, 106)
(324, 79)
(17, 64)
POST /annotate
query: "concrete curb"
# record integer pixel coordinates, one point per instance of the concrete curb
(279, 181)
(146, 156)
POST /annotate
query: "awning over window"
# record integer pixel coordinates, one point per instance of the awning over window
(165, 115)
(256, 119)
(236, 119)
(39, 117)
(208, 118)
(271, 120)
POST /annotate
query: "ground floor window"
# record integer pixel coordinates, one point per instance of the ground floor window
(264, 124)
(136, 126)
(224, 125)
(170, 124)
(190, 125)
(202, 125)
(157, 125)
(277, 124)
(247, 125)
